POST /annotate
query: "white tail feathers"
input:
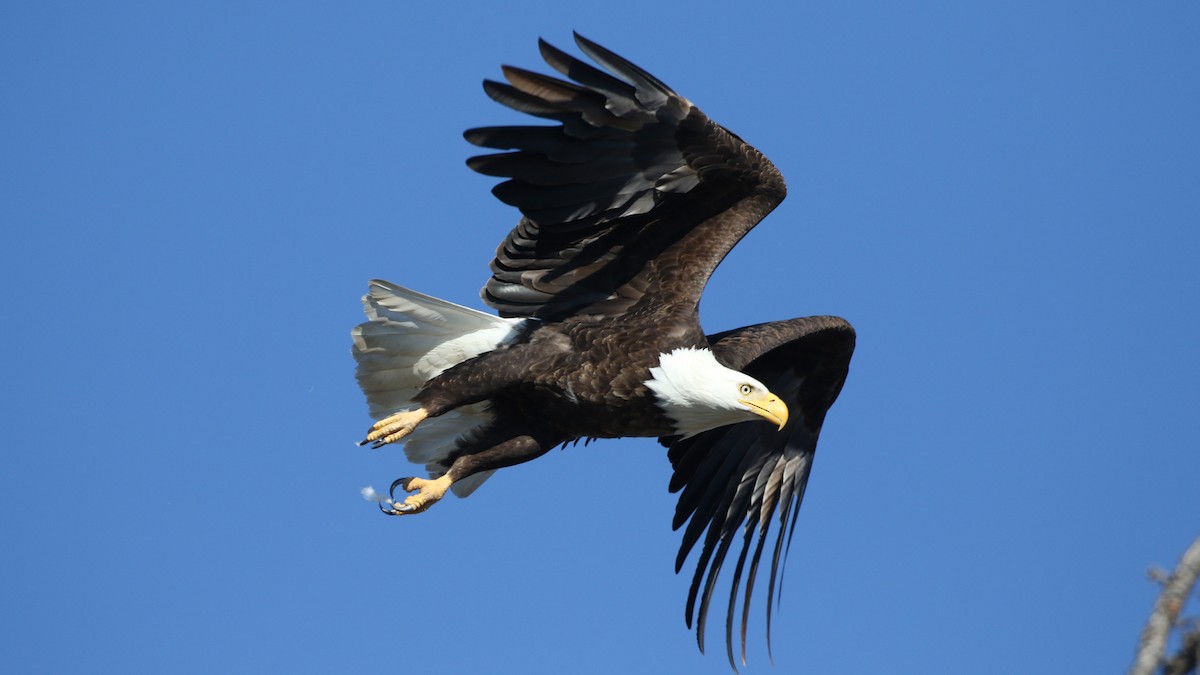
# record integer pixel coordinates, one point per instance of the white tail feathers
(410, 338)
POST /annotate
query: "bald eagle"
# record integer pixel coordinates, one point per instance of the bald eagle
(628, 204)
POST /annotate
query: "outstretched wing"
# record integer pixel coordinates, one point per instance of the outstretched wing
(745, 473)
(635, 196)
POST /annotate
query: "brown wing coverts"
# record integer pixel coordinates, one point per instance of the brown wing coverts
(631, 168)
(748, 472)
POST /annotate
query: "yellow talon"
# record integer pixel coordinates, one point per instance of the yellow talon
(428, 493)
(394, 427)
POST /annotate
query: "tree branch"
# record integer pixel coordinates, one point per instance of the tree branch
(1170, 603)
(1186, 659)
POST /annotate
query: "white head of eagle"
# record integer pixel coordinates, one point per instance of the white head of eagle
(699, 394)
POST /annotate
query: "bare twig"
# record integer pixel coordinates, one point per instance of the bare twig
(1176, 589)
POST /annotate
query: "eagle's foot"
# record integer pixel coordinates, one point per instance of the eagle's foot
(394, 427)
(428, 493)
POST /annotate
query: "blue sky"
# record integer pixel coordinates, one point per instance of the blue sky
(1004, 198)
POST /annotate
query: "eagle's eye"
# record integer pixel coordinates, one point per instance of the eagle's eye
(745, 389)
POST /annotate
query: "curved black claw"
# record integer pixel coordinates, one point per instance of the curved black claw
(366, 439)
(397, 483)
(394, 506)
(375, 445)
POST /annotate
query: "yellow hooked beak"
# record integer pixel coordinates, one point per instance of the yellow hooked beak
(768, 406)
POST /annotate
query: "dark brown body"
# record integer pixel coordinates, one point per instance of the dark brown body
(577, 378)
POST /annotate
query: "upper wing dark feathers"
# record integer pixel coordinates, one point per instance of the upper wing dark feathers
(519, 165)
(510, 96)
(548, 141)
(649, 90)
(622, 95)
(630, 165)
